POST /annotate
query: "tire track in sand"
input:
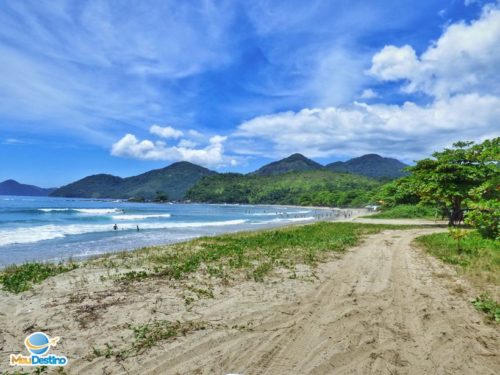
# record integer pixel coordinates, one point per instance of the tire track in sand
(380, 310)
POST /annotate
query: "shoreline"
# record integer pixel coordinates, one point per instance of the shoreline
(262, 227)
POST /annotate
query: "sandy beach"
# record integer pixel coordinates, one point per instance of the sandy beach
(382, 307)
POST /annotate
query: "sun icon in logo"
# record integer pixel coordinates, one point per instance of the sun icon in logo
(39, 343)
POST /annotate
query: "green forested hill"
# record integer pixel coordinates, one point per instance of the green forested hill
(170, 182)
(302, 188)
(370, 165)
(293, 163)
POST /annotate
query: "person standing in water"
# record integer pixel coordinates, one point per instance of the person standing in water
(115, 227)
(137, 228)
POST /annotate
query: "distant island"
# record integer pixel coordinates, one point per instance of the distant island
(12, 187)
(292, 180)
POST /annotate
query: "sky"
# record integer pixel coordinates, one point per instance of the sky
(123, 87)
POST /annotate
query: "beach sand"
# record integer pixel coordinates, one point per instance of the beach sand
(382, 307)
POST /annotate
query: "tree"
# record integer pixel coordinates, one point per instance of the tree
(397, 192)
(161, 196)
(450, 177)
(484, 201)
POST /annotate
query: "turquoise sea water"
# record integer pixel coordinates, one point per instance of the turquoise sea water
(51, 229)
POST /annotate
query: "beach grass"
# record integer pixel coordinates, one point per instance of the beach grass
(146, 336)
(476, 257)
(20, 278)
(406, 211)
(255, 253)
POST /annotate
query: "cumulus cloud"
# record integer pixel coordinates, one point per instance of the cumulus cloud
(211, 155)
(459, 73)
(408, 131)
(187, 143)
(368, 94)
(464, 59)
(165, 132)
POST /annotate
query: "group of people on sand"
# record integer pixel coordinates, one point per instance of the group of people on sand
(115, 227)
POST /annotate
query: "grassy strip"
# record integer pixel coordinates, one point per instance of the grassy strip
(487, 305)
(406, 211)
(477, 257)
(17, 279)
(257, 253)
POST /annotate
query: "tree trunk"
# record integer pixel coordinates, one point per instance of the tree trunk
(455, 211)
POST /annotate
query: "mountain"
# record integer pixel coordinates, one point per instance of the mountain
(293, 163)
(12, 187)
(318, 187)
(370, 165)
(170, 182)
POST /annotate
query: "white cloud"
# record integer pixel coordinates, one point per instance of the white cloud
(165, 132)
(212, 155)
(217, 139)
(460, 74)
(368, 94)
(101, 65)
(187, 143)
(194, 134)
(407, 132)
(393, 63)
(464, 59)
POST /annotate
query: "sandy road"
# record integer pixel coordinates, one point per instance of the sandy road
(380, 310)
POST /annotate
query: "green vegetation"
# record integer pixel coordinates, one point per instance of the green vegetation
(397, 192)
(147, 335)
(406, 211)
(484, 204)
(453, 176)
(293, 163)
(175, 180)
(256, 254)
(171, 182)
(17, 279)
(485, 304)
(320, 188)
(477, 257)
(371, 165)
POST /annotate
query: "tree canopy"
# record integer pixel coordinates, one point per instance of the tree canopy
(464, 176)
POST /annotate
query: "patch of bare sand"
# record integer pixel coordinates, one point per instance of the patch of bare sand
(382, 308)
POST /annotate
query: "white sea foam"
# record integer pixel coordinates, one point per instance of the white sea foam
(278, 213)
(140, 217)
(92, 211)
(98, 211)
(53, 209)
(264, 213)
(48, 232)
(284, 220)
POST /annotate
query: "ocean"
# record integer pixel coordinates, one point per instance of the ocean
(53, 229)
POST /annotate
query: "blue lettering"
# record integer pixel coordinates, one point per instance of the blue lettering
(51, 360)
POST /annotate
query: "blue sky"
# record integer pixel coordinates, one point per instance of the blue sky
(123, 87)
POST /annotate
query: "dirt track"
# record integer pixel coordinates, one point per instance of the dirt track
(381, 309)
